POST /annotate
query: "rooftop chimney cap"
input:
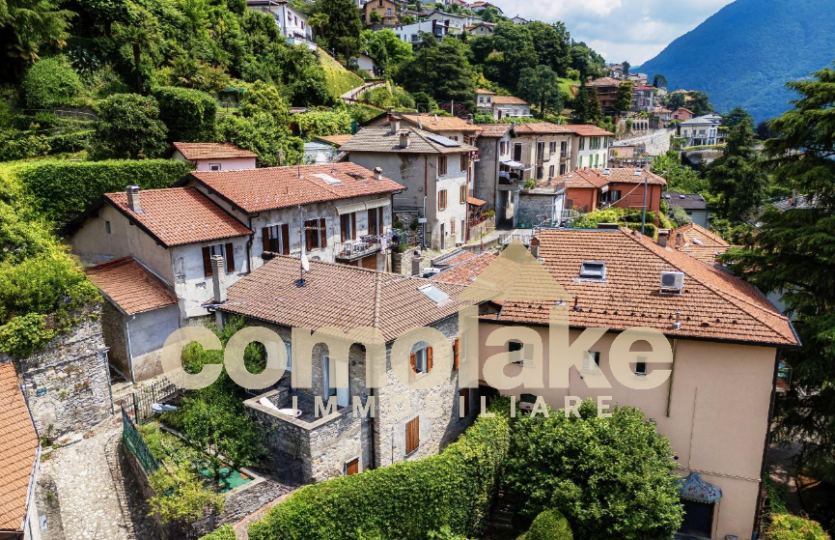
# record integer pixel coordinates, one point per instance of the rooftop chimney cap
(133, 199)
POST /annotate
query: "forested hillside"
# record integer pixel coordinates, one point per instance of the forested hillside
(745, 54)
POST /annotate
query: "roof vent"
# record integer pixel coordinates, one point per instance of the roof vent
(593, 270)
(607, 172)
(672, 282)
(638, 172)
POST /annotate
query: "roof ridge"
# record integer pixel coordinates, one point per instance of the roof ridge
(720, 293)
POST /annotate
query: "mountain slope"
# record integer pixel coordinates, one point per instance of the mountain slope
(744, 54)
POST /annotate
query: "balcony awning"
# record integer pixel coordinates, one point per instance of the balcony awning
(359, 207)
(513, 164)
(475, 202)
(694, 488)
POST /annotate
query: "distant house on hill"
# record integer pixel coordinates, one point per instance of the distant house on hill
(215, 156)
(702, 131)
(682, 114)
(292, 23)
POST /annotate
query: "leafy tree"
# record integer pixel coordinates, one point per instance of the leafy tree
(659, 81)
(737, 176)
(374, 17)
(540, 85)
(140, 32)
(188, 114)
(794, 253)
(623, 101)
(262, 97)
(318, 22)
(342, 33)
(736, 116)
(549, 525)
(679, 177)
(595, 112)
(626, 66)
(128, 126)
(699, 103)
(51, 82)
(610, 477)
(441, 71)
(261, 134)
(581, 104)
(676, 100)
(587, 62)
(388, 49)
(552, 45)
(28, 27)
(515, 45)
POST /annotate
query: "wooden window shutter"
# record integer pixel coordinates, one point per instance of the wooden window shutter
(413, 363)
(308, 235)
(343, 225)
(265, 239)
(428, 359)
(354, 226)
(412, 435)
(285, 238)
(230, 257)
(456, 354)
(323, 242)
(452, 227)
(440, 200)
(207, 261)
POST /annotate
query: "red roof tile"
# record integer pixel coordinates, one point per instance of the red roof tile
(258, 190)
(131, 286)
(18, 450)
(547, 128)
(494, 130)
(464, 271)
(509, 100)
(714, 305)
(194, 151)
(180, 216)
(596, 178)
(698, 242)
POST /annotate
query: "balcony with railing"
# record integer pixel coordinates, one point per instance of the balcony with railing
(352, 250)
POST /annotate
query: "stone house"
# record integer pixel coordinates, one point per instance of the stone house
(20, 452)
(702, 131)
(450, 127)
(435, 171)
(589, 190)
(643, 98)
(291, 23)
(335, 298)
(215, 156)
(715, 406)
(540, 206)
(495, 172)
(139, 314)
(173, 233)
(339, 212)
(544, 149)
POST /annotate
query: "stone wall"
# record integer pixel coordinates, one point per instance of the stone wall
(113, 330)
(534, 209)
(67, 384)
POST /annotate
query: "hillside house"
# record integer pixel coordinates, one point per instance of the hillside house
(338, 212)
(682, 115)
(435, 170)
(411, 33)
(292, 24)
(606, 89)
(215, 156)
(481, 29)
(502, 106)
(455, 22)
(550, 150)
(693, 204)
(387, 12)
(643, 98)
(702, 131)
(20, 454)
(589, 190)
(590, 146)
(450, 127)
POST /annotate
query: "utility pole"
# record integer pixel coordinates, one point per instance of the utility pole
(644, 212)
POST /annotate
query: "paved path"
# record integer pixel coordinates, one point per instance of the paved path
(657, 143)
(91, 491)
(355, 94)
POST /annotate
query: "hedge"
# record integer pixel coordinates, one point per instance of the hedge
(454, 489)
(789, 527)
(224, 533)
(549, 525)
(60, 190)
(70, 142)
(188, 114)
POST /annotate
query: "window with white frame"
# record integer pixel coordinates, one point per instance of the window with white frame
(591, 361)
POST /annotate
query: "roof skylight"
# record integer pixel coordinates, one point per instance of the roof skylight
(433, 293)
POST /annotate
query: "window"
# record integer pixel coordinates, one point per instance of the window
(514, 348)
(388, 12)
(540, 173)
(453, 138)
(107, 227)
(289, 356)
(316, 234)
(348, 226)
(503, 147)
(551, 170)
(433, 293)
(442, 166)
(481, 99)
(641, 369)
(593, 270)
(375, 221)
(442, 200)
(214, 166)
(540, 151)
(563, 169)
(464, 402)
(276, 239)
(582, 143)
(553, 147)
(612, 196)
(563, 148)
(412, 435)
(591, 361)
(218, 249)
(464, 162)
(517, 152)
(421, 360)
(463, 194)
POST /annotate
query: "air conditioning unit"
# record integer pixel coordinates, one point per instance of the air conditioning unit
(672, 282)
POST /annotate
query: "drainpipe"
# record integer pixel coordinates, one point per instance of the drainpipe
(672, 375)
(373, 433)
(763, 470)
(249, 247)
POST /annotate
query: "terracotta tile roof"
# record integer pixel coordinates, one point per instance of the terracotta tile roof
(464, 270)
(439, 124)
(193, 151)
(595, 178)
(715, 305)
(257, 190)
(509, 100)
(335, 295)
(698, 242)
(375, 139)
(485, 92)
(335, 140)
(18, 450)
(587, 130)
(180, 216)
(494, 130)
(131, 286)
(547, 128)
(605, 81)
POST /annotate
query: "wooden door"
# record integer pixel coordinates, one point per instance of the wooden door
(352, 467)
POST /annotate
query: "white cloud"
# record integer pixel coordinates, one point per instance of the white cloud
(633, 30)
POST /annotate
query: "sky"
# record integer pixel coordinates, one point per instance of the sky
(631, 30)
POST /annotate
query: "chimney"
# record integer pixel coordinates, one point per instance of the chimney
(470, 119)
(404, 139)
(133, 199)
(535, 247)
(663, 236)
(416, 262)
(378, 173)
(678, 239)
(394, 124)
(218, 279)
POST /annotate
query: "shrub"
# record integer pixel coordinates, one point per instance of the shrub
(24, 335)
(51, 82)
(188, 114)
(70, 142)
(128, 126)
(319, 123)
(680, 216)
(610, 477)
(21, 239)
(549, 525)
(454, 489)
(262, 135)
(788, 527)
(224, 533)
(21, 146)
(62, 189)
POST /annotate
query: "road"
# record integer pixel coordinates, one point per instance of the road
(354, 94)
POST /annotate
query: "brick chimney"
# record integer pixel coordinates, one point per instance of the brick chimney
(663, 237)
(404, 139)
(416, 261)
(535, 247)
(133, 199)
(394, 124)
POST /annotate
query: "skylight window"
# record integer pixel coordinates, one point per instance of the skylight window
(593, 270)
(433, 293)
(327, 178)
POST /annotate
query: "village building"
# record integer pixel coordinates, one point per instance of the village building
(589, 146)
(496, 174)
(481, 29)
(519, 20)
(589, 190)
(368, 64)
(502, 106)
(479, 5)
(411, 33)
(698, 242)
(451, 127)
(542, 205)
(435, 170)
(338, 212)
(386, 12)
(215, 156)
(702, 131)
(682, 114)
(550, 150)
(341, 442)
(643, 98)
(454, 22)
(173, 233)
(319, 153)
(292, 24)
(693, 204)
(606, 89)
(724, 333)
(20, 454)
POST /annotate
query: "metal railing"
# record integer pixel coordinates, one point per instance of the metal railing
(145, 397)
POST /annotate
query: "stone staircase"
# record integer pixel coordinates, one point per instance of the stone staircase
(500, 525)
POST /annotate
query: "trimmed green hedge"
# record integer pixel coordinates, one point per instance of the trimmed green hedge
(224, 533)
(60, 190)
(406, 500)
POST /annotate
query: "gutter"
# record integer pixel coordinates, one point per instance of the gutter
(763, 465)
